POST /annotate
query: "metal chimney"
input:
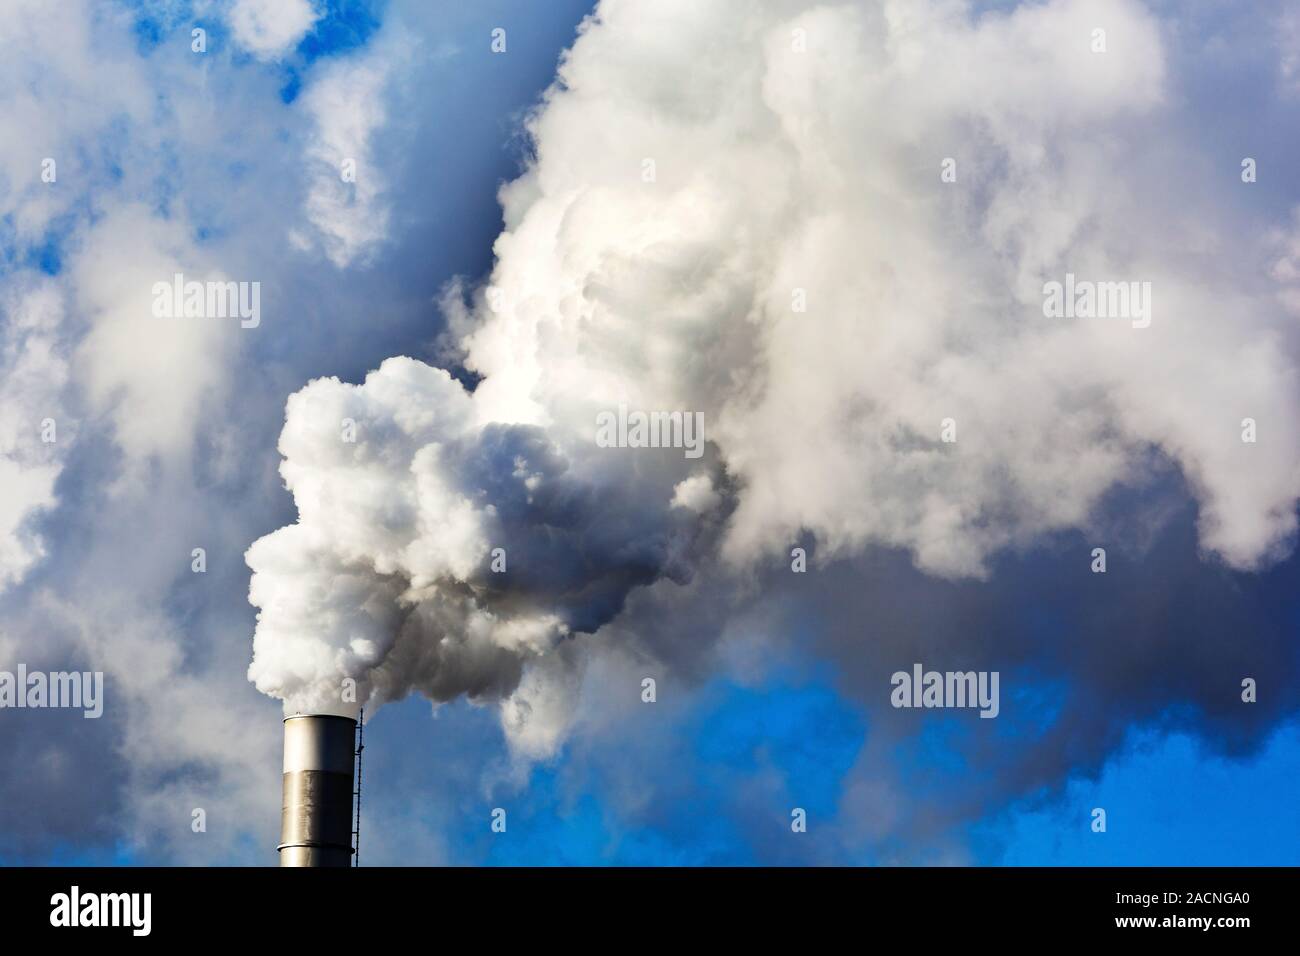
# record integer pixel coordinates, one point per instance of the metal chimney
(316, 815)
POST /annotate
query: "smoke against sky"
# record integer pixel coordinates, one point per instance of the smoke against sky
(390, 575)
(677, 291)
(730, 208)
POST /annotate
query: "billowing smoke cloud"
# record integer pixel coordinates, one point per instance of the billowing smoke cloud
(827, 228)
(437, 552)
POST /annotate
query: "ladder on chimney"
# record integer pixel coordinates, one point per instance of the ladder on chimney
(356, 826)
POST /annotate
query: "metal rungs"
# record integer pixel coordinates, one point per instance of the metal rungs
(356, 825)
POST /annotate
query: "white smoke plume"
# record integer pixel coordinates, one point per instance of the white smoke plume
(390, 576)
(737, 209)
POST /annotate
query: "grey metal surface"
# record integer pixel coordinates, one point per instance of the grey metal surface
(316, 814)
(314, 856)
(319, 742)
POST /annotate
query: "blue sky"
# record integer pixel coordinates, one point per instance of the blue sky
(1120, 692)
(1168, 801)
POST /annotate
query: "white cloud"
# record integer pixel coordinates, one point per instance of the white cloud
(165, 163)
(69, 78)
(172, 716)
(152, 374)
(270, 28)
(32, 377)
(345, 194)
(695, 493)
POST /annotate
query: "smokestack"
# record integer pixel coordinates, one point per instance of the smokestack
(316, 815)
